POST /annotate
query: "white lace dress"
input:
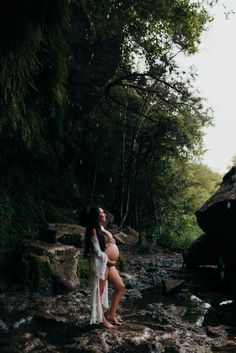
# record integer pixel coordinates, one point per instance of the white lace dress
(98, 263)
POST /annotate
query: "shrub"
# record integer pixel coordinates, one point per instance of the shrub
(83, 271)
(121, 262)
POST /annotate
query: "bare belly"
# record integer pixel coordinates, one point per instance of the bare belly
(112, 252)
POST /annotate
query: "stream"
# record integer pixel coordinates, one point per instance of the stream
(199, 316)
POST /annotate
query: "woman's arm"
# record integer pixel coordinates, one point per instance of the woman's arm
(111, 263)
(97, 250)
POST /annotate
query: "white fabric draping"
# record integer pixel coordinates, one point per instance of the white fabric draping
(98, 263)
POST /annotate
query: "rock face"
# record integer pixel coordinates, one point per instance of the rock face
(217, 218)
(52, 264)
(129, 236)
(202, 251)
(47, 267)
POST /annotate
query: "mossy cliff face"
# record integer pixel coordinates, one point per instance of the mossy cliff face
(40, 275)
(45, 267)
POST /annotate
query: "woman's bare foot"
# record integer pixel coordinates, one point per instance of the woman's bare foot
(114, 320)
(107, 324)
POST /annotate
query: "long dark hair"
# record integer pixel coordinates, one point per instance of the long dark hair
(93, 222)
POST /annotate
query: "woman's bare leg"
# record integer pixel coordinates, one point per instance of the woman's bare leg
(102, 285)
(115, 279)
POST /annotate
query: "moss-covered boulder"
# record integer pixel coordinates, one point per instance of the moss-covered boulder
(46, 267)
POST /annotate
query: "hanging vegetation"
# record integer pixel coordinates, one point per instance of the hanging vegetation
(82, 122)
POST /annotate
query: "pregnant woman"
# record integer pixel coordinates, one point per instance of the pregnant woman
(102, 252)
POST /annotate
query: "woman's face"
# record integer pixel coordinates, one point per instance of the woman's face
(102, 215)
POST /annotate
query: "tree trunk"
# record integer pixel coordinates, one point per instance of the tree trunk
(151, 191)
(94, 182)
(122, 174)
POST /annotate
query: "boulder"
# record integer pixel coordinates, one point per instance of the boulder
(202, 251)
(217, 216)
(129, 236)
(172, 285)
(69, 234)
(47, 267)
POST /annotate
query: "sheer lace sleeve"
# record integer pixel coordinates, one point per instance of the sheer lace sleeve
(98, 263)
(98, 258)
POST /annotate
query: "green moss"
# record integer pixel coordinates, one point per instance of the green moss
(40, 272)
(122, 262)
(83, 271)
(143, 248)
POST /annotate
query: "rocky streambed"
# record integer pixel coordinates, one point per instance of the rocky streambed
(166, 308)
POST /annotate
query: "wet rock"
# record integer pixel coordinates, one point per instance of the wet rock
(41, 334)
(171, 350)
(133, 235)
(173, 285)
(22, 321)
(48, 317)
(218, 331)
(130, 280)
(120, 237)
(152, 322)
(70, 234)
(3, 326)
(128, 236)
(227, 348)
(22, 343)
(124, 238)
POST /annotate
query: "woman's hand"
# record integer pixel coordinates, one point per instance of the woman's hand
(111, 263)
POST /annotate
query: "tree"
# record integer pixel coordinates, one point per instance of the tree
(80, 122)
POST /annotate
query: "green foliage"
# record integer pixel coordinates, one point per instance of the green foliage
(26, 205)
(122, 262)
(83, 271)
(41, 272)
(81, 123)
(143, 248)
(177, 226)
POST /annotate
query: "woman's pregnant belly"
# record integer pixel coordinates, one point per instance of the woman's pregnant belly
(112, 252)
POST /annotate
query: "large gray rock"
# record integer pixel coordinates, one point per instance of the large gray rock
(202, 251)
(47, 267)
(172, 285)
(217, 217)
(70, 234)
(129, 236)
